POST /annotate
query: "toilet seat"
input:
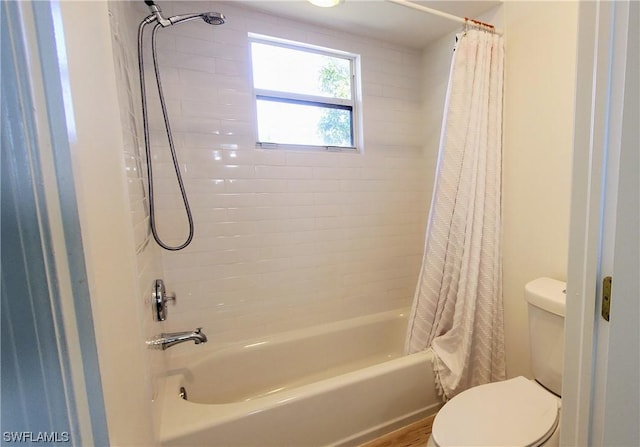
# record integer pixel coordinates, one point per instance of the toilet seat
(516, 412)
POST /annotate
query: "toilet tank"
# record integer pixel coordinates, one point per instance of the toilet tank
(546, 309)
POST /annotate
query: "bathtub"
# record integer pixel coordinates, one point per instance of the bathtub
(338, 384)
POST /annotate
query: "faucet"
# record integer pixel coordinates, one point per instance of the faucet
(168, 339)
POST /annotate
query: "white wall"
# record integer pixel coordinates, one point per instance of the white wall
(283, 238)
(124, 19)
(108, 237)
(541, 43)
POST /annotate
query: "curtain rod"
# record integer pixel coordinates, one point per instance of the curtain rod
(463, 20)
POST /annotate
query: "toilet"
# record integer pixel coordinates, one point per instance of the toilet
(516, 412)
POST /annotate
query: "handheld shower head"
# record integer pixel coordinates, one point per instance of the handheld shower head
(212, 18)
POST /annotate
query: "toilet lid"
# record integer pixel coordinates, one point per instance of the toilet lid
(515, 412)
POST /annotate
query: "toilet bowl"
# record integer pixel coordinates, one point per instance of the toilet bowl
(516, 412)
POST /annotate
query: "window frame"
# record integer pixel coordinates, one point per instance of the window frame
(325, 102)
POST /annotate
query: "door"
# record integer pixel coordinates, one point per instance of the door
(600, 390)
(51, 389)
(619, 392)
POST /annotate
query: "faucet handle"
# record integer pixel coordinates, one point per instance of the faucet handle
(170, 297)
(160, 300)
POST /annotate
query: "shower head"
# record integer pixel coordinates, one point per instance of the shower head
(212, 18)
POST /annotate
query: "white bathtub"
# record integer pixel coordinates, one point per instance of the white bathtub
(336, 384)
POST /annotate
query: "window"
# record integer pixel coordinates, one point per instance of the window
(305, 96)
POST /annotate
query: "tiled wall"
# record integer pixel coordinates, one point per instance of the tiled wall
(284, 239)
(436, 58)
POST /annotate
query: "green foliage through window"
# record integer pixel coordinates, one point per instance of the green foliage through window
(334, 125)
(304, 96)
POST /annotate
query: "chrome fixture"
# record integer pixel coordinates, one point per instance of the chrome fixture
(160, 300)
(212, 18)
(168, 339)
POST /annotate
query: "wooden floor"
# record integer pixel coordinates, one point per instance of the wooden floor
(413, 435)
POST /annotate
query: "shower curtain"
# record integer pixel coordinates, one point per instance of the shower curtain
(457, 309)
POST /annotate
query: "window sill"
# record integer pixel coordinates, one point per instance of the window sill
(304, 147)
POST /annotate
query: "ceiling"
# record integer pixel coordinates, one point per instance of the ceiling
(378, 18)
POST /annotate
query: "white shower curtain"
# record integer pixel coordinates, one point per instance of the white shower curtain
(457, 310)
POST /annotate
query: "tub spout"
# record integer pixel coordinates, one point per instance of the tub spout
(166, 340)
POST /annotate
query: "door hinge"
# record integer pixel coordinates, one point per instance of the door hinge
(606, 297)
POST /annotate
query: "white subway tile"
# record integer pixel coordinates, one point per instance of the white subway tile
(283, 238)
(257, 186)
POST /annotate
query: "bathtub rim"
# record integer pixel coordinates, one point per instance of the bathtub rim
(179, 417)
(188, 417)
(194, 359)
